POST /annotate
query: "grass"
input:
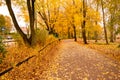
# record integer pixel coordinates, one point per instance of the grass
(111, 50)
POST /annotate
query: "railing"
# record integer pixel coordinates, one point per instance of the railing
(27, 59)
(8, 43)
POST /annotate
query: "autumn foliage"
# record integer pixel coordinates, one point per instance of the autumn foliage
(92, 22)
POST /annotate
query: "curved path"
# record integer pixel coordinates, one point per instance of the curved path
(75, 62)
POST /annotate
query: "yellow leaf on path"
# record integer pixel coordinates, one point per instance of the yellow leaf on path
(3, 78)
(85, 78)
(105, 72)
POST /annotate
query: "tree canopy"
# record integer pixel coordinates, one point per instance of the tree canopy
(68, 17)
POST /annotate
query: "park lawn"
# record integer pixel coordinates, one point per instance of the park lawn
(111, 50)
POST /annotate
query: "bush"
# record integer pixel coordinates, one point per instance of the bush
(118, 46)
(18, 38)
(2, 50)
(50, 38)
(41, 36)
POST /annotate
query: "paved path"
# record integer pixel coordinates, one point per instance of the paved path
(75, 62)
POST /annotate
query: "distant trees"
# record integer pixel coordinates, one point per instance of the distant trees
(2, 47)
(8, 24)
(2, 20)
(112, 13)
(113, 22)
(72, 17)
(2, 50)
(5, 24)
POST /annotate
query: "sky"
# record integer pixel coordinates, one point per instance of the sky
(4, 11)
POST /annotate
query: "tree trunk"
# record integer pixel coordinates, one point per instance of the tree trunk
(115, 36)
(96, 36)
(84, 33)
(72, 35)
(31, 11)
(105, 30)
(96, 33)
(73, 24)
(88, 36)
(111, 36)
(75, 37)
(27, 40)
(84, 23)
(112, 29)
(68, 32)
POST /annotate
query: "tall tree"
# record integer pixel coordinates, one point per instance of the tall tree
(111, 28)
(96, 34)
(84, 22)
(73, 21)
(104, 24)
(29, 41)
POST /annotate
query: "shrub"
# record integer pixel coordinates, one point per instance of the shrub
(18, 38)
(41, 36)
(2, 50)
(50, 38)
(118, 46)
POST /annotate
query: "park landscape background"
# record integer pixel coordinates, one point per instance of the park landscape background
(93, 24)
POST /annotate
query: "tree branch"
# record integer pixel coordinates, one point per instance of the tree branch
(8, 3)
